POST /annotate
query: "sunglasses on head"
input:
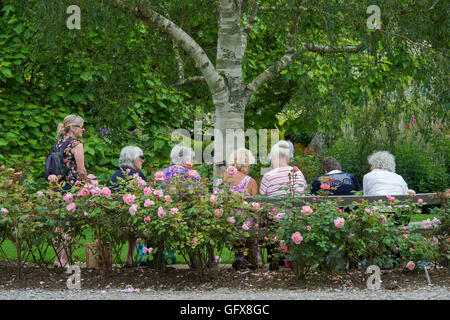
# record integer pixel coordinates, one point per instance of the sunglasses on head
(142, 157)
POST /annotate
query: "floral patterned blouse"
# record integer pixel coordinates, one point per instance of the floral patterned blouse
(69, 159)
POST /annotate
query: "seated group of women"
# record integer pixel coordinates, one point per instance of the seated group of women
(283, 178)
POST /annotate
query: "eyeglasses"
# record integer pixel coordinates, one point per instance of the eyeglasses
(142, 157)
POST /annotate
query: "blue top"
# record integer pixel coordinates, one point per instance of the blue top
(116, 184)
(345, 182)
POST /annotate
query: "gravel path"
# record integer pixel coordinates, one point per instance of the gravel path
(428, 293)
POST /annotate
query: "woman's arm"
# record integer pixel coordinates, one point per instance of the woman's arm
(252, 187)
(78, 153)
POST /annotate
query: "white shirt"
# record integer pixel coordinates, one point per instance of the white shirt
(381, 182)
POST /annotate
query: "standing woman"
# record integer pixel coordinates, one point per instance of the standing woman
(68, 134)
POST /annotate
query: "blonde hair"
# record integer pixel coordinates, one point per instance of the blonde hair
(241, 159)
(280, 150)
(70, 120)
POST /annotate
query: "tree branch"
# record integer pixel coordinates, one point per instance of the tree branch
(250, 23)
(289, 56)
(144, 12)
(185, 81)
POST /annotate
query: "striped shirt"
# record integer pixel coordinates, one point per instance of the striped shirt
(275, 182)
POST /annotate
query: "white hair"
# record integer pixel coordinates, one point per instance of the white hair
(180, 155)
(241, 159)
(382, 160)
(280, 150)
(129, 155)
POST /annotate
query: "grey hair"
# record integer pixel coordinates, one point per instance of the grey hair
(382, 160)
(280, 150)
(129, 155)
(180, 154)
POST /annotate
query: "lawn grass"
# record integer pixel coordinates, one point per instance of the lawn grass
(9, 250)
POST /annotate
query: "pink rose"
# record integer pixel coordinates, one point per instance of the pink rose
(277, 217)
(193, 174)
(306, 210)
(410, 265)
(161, 212)
(179, 204)
(297, 237)
(218, 213)
(167, 198)
(245, 227)
(231, 220)
(133, 209)
(68, 197)
(232, 170)
(96, 192)
(420, 201)
(396, 248)
(173, 210)
(256, 206)
(159, 175)
(4, 211)
(295, 169)
(40, 193)
(194, 240)
(77, 183)
(10, 183)
(405, 236)
(85, 214)
(412, 192)
(404, 228)
(148, 203)
(129, 198)
(158, 193)
(2, 167)
(94, 183)
(325, 186)
(213, 198)
(52, 178)
(71, 206)
(392, 199)
(91, 177)
(147, 191)
(128, 170)
(308, 228)
(314, 199)
(106, 192)
(339, 222)
(147, 219)
(436, 221)
(144, 250)
(84, 192)
(426, 223)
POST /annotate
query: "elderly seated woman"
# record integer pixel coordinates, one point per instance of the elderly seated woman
(276, 182)
(279, 182)
(382, 179)
(130, 163)
(182, 159)
(241, 182)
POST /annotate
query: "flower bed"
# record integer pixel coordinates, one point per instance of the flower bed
(187, 216)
